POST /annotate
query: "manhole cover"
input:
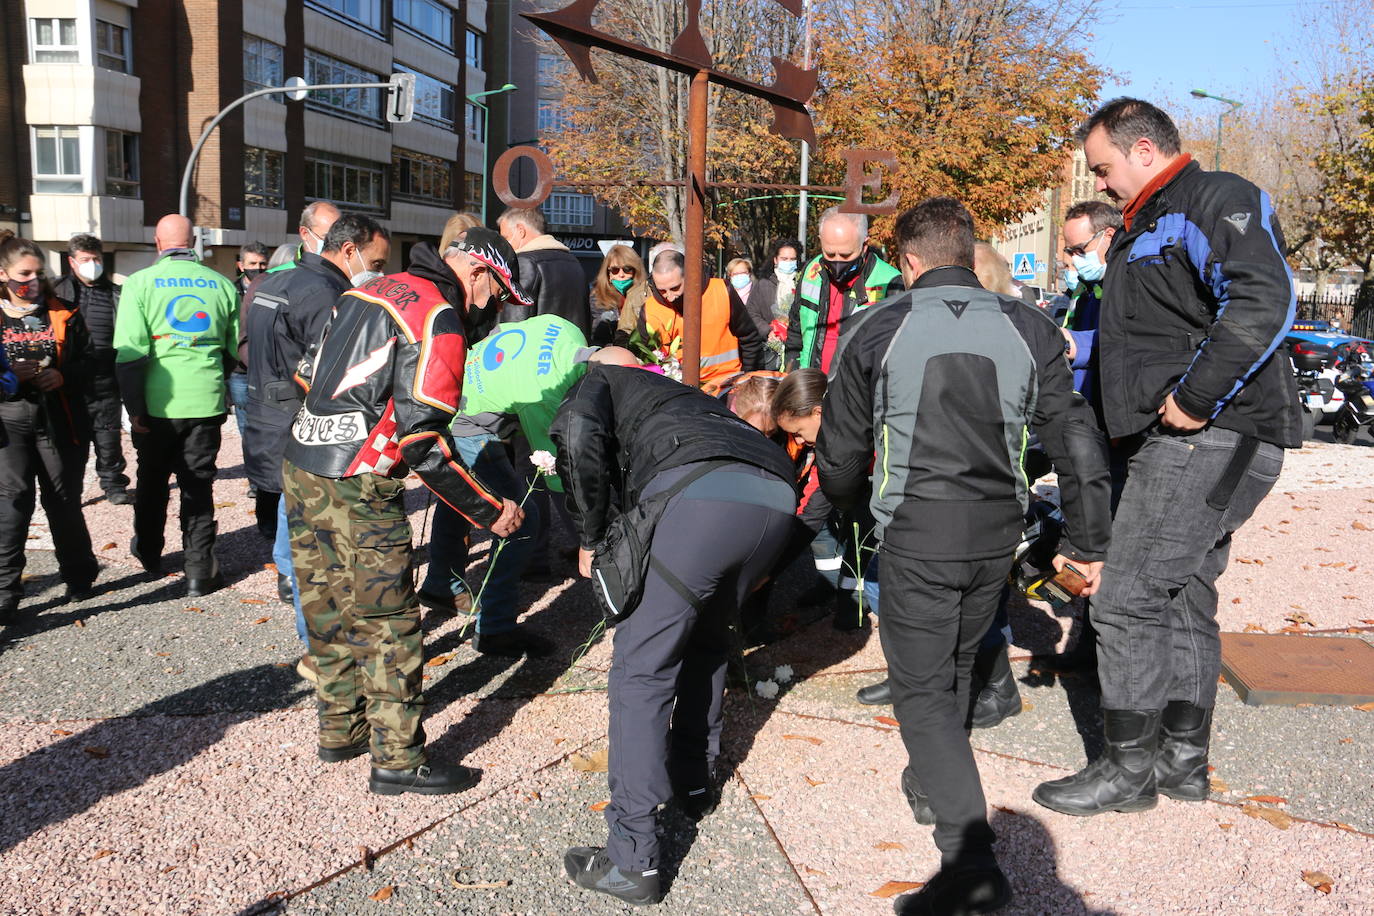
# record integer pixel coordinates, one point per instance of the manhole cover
(1287, 670)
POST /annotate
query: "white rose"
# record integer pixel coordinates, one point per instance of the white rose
(544, 462)
(783, 674)
(766, 689)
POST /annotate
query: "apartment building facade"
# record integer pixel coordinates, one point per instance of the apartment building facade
(1038, 233)
(112, 95)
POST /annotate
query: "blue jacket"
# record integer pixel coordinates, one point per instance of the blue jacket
(1196, 300)
(1081, 321)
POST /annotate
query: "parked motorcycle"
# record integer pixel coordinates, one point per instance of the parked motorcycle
(1357, 412)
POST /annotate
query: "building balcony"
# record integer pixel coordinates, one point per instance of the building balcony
(76, 95)
(114, 220)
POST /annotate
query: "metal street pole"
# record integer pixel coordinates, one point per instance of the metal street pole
(805, 147)
(1198, 93)
(694, 276)
(397, 81)
(486, 138)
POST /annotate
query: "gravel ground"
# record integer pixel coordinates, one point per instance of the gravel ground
(157, 754)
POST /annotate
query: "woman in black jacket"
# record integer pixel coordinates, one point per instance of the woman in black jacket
(47, 429)
(729, 511)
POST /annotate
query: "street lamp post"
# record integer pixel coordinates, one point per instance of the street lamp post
(1198, 93)
(486, 144)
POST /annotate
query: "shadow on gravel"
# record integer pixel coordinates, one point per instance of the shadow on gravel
(66, 778)
(40, 618)
(1027, 854)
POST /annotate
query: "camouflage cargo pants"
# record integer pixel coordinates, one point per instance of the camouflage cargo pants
(350, 542)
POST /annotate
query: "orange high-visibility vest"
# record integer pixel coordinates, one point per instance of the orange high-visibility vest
(719, 347)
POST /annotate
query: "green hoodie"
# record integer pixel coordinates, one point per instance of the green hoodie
(524, 369)
(179, 319)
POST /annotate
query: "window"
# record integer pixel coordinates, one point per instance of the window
(568, 209)
(477, 123)
(54, 41)
(420, 177)
(358, 104)
(473, 187)
(551, 70)
(553, 117)
(433, 99)
(262, 178)
(477, 49)
(121, 164)
(426, 18)
(262, 65)
(350, 183)
(111, 46)
(365, 13)
(57, 160)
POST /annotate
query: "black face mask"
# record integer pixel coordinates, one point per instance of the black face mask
(250, 275)
(842, 271)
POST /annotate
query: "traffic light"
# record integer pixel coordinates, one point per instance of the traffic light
(400, 106)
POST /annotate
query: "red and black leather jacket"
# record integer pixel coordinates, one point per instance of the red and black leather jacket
(384, 383)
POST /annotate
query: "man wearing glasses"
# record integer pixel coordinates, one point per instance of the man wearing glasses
(383, 385)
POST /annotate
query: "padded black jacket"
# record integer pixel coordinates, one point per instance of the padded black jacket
(1196, 300)
(620, 426)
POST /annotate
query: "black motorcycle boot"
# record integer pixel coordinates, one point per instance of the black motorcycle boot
(1181, 767)
(591, 868)
(999, 699)
(879, 694)
(917, 799)
(1122, 779)
(956, 891)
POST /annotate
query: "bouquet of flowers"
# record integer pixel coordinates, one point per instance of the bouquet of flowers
(651, 351)
(777, 338)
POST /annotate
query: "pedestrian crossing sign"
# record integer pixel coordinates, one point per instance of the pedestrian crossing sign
(1023, 265)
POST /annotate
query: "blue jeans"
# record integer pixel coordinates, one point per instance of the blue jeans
(448, 555)
(281, 555)
(238, 396)
(1156, 608)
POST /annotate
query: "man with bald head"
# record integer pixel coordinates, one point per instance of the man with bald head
(174, 339)
(846, 277)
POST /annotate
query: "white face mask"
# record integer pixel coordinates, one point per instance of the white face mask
(740, 281)
(787, 267)
(90, 271)
(319, 248)
(364, 275)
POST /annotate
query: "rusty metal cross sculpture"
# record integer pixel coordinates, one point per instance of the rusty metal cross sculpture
(572, 28)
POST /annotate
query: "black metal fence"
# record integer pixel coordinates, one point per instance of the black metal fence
(1354, 313)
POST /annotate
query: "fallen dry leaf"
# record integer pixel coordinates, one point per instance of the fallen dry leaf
(888, 846)
(1360, 526)
(761, 797)
(1026, 705)
(812, 871)
(382, 893)
(599, 806)
(1367, 621)
(886, 720)
(802, 738)
(1365, 707)
(1267, 799)
(598, 762)
(365, 856)
(1254, 628)
(168, 868)
(814, 782)
(100, 753)
(479, 886)
(252, 601)
(102, 853)
(262, 620)
(1226, 826)
(79, 623)
(229, 505)
(438, 660)
(893, 888)
(1235, 601)
(1319, 881)
(1300, 619)
(1344, 826)
(1347, 740)
(1218, 785)
(1272, 815)
(109, 546)
(62, 731)
(195, 609)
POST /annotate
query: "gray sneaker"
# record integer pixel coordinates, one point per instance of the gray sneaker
(590, 867)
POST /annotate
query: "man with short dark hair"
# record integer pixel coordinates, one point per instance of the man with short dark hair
(252, 263)
(549, 273)
(1196, 300)
(283, 319)
(89, 288)
(941, 384)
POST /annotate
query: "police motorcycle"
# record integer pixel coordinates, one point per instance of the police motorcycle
(1356, 384)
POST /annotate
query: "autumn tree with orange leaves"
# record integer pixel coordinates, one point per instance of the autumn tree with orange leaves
(978, 99)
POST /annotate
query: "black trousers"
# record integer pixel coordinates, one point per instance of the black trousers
(102, 402)
(187, 448)
(32, 467)
(667, 679)
(934, 616)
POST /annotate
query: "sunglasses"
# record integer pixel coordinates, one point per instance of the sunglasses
(621, 269)
(1081, 250)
